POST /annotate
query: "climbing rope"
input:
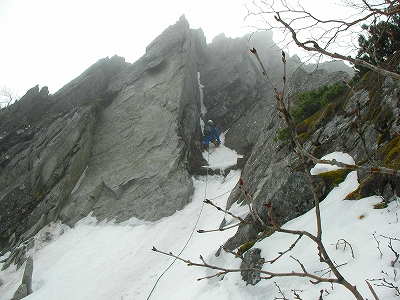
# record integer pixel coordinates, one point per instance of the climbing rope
(191, 234)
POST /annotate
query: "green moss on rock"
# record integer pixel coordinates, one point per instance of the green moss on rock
(245, 247)
(390, 154)
(380, 205)
(284, 134)
(383, 119)
(374, 184)
(383, 137)
(319, 119)
(333, 178)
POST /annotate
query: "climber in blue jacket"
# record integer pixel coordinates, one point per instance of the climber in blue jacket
(210, 135)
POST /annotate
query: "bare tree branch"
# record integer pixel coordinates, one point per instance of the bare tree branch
(345, 243)
(372, 290)
(326, 36)
(286, 251)
(7, 96)
(222, 270)
(269, 224)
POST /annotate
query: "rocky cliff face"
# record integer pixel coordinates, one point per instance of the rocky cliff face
(273, 173)
(142, 142)
(122, 140)
(117, 140)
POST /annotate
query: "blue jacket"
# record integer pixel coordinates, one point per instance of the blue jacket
(210, 138)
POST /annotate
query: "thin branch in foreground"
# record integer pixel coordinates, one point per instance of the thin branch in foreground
(207, 201)
(280, 292)
(312, 46)
(396, 254)
(390, 246)
(253, 207)
(219, 229)
(390, 238)
(222, 271)
(372, 290)
(301, 265)
(358, 125)
(296, 295)
(328, 270)
(286, 251)
(387, 284)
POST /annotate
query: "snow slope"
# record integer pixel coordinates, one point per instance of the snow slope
(106, 261)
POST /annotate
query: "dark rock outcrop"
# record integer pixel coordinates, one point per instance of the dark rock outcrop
(38, 177)
(122, 140)
(144, 137)
(25, 288)
(239, 98)
(119, 140)
(252, 260)
(273, 173)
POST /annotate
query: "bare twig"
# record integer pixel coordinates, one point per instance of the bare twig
(358, 124)
(286, 251)
(396, 254)
(241, 221)
(345, 243)
(300, 264)
(219, 229)
(390, 238)
(221, 270)
(280, 292)
(372, 290)
(207, 201)
(384, 283)
(296, 295)
(328, 270)
(378, 244)
(253, 207)
(320, 294)
(326, 36)
(7, 96)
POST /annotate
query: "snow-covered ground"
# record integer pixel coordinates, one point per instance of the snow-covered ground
(106, 261)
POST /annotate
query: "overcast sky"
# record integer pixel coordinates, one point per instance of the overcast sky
(50, 42)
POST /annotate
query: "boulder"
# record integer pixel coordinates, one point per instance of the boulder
(25, 288)
(27, 277)
(252, 260)
(21, 292)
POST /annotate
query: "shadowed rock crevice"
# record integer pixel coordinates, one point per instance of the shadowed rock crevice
(123, 140)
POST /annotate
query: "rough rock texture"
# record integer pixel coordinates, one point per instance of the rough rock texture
(38, 175)
(274, 174)
(21, 292)
(252, 260)
(232, 78)
(45, 145)
(122, 140)
(137, 167)
(25, 288)
(240, 99)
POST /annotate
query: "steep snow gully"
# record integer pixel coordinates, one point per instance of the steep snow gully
(109, 260)
(114, 261)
